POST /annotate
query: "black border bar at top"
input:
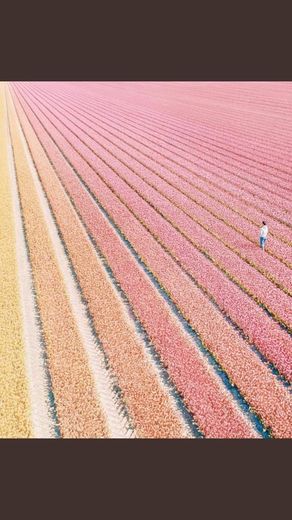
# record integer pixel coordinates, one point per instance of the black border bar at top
(206, 41)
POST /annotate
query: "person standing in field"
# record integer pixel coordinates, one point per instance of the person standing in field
(263, 235)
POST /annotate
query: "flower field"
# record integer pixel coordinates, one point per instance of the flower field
(135, 301)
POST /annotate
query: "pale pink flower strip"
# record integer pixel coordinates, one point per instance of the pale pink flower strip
(175, 139)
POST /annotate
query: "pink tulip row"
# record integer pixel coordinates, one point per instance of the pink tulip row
(229, 299)
(229, 348)
(272, 268)
(276, 247)
(92, 110)
(208, 401)
(253, 124)
(222, 123)
(275, 225)
(144, 156)
(253, 150)
(277, 302)
(102, 94)
(155, 132)
(217, 170)
(177, 140)
(265, 161)
(198, 179)
(240, 164)
(194, 300)
(214, 131)
(166, 137)
(229, 131)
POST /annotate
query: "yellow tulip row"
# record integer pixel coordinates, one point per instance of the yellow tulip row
(14, 399)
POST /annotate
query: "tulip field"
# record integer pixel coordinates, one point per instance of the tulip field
(135, 300)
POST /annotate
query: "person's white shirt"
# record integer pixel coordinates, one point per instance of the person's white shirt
(264, 232)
